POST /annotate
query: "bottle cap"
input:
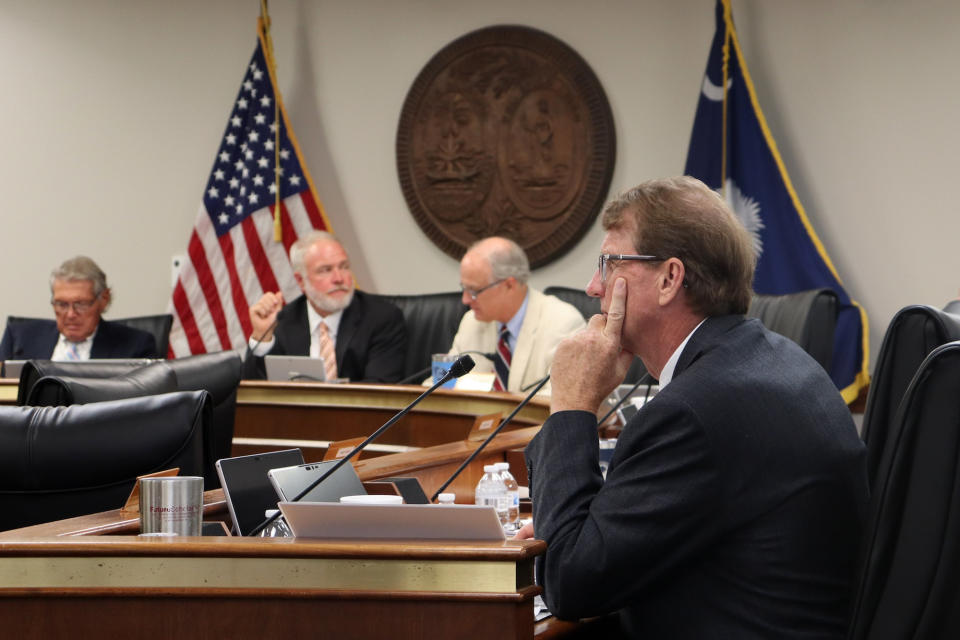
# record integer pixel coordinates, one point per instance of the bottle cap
(503, 466)
(489, 468)
(446, 498)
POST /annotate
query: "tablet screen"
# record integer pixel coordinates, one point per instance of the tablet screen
(247, 488)
(290, 481)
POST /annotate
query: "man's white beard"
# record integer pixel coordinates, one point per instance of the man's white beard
(326, 303)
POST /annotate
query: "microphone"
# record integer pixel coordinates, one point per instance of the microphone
(462, 366)
(644, 378)
(251, 350)
(535, 383)
(483, 444)
(419, 375)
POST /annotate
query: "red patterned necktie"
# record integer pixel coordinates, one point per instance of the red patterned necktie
(502, 361)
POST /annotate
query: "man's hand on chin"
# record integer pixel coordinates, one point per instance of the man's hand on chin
(590, 364)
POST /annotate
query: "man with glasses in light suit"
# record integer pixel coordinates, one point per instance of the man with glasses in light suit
(79, 295)
(518, 325)
(734, 501)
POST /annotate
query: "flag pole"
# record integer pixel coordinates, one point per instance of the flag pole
(727, 19)
(272, 69)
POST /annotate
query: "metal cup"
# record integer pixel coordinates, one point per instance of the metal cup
(171, 505)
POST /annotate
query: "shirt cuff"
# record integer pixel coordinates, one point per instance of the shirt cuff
(261, 349)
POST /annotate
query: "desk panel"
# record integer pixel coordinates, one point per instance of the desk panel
(125, 586)
(278, 415)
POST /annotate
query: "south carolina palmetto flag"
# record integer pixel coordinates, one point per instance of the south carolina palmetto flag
(234, 255)
(733, 151)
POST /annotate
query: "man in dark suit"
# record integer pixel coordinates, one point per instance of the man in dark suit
(359, 337)
(80, 295)
(734, 502)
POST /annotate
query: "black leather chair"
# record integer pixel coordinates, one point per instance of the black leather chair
(93, 380)
(33, 370)
(809, 318)
(158, 325)
(952, 307)
(432, 321)
(908, 584)
(61, 462)
(912, 334)
(219, 374)
(54, 391)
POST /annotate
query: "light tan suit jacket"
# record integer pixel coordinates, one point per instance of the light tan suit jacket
(548, 321)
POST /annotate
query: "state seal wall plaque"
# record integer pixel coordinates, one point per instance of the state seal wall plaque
(506, 131)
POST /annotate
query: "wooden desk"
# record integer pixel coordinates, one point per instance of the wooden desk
(113, 586)
(8, 391)
(123, 586)
(282, 415)
(91, 575)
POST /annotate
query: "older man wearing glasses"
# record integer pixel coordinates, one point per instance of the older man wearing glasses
(518, 325)
(734, 502)
(79, 295)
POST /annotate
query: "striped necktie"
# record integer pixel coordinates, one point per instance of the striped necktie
(72, 352)
(326, 351)
(502, 361)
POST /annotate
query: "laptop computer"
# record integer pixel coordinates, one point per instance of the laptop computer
(295, 368)
(247, 488)
(288, 482)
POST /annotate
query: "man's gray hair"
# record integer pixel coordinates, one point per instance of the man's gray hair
(298, 250)
(507, 260)
(81, 268)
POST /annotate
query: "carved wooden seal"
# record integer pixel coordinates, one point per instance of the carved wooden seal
(506, 131)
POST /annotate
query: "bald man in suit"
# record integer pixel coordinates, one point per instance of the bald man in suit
(493, 278)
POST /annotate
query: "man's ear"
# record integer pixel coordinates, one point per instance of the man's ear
(299, 278)
(105, 299)
(672, 274)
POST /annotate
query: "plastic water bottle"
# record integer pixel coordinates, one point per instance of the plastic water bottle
(276, 529)
(513, 493)
(492, 492)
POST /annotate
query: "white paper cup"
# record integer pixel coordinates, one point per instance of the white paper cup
(368, 499)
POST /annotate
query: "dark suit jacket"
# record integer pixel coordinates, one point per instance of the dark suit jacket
(36, 339)
(371, 340)
(733, 504)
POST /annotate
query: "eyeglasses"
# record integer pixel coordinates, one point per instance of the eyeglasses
(474, 293)
(80, 306)
(606, 258)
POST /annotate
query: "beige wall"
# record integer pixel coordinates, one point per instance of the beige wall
(112, 111)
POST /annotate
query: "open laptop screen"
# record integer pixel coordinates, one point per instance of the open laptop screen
(295, 368)
(247, 488)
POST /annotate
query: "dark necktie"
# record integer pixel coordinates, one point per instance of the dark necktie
(502, 362)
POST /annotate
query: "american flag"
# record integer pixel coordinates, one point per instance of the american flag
(232, 257)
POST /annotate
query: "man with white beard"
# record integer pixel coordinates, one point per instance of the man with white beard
(360, 338)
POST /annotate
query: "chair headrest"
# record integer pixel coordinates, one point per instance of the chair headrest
(66, 390)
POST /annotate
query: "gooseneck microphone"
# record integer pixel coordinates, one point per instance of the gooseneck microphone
(462, 366)
(483, 444)
(644, 378)
(251, 350)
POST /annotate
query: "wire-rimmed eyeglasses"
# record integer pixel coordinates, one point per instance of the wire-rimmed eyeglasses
(79, 307)
(473, 293)
(605, 258)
